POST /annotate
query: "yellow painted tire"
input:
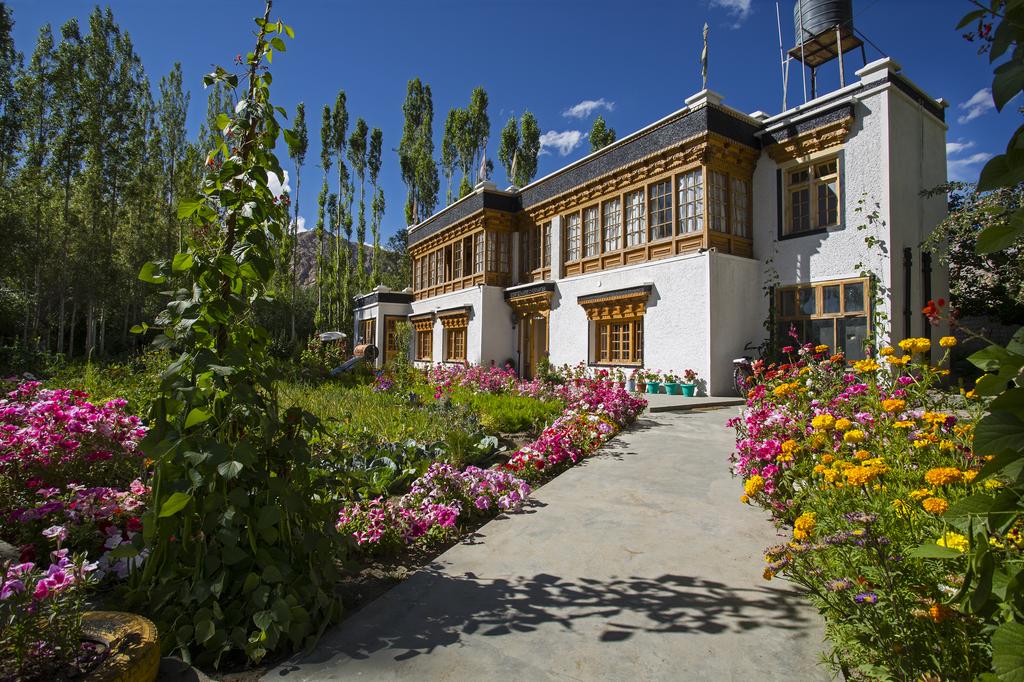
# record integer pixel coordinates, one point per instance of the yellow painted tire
(133, 643)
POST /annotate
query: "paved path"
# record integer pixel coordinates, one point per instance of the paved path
(638, 565)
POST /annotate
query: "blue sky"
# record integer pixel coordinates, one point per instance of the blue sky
(564, 60)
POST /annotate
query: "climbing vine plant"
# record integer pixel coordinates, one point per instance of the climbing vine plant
(240, 549)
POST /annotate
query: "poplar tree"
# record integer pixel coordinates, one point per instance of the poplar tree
(357, 157)
(449, 151)
(529, 149)
(172, 111)
(298, 144)
(373, 161)
(10, 65)
(326, 149)
(342, 251)
(600, 134)
(416, 153)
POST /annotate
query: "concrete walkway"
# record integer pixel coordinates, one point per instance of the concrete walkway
(639, 564)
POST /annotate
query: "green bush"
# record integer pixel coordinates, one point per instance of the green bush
(507, 413)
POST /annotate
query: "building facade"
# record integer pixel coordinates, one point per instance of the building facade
(693, 239)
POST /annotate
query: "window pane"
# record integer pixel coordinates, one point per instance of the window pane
(635, 223)
(691, 202)
(823, 332)
(572, 237)
(660, 209)
(591, 246)
(547, 244)
(717, 201)
(854, 333)
(788, 297)
(830, 299)
(853, 297)
(740, 203)
(800, 210)
(828, 204)
(807, 303)
(612, 221)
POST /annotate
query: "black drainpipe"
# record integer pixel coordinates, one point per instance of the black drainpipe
(908, 263)
(926, 283)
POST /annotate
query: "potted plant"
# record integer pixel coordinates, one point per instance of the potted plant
(639, 380)
(620, 377)
(671, 383)
(689, 384)
(654, 381)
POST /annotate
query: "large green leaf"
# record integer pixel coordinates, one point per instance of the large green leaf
(181, 262)
(930, 550)
(229, 469)
(1005, 170)
(204, 631)
(196, 416)
(186, 207)
(174, 504)
(999, 432)
(1001, 235)
(150, 272)
(1008, 652)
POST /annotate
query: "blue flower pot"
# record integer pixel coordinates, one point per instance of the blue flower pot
(672, 389)
(688, 389)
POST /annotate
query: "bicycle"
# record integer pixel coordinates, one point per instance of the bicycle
(742, 370)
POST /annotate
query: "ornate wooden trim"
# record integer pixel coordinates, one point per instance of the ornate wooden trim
(616, 305)
(531, 304)
(826, 137)
(423, 323)
(456, 319)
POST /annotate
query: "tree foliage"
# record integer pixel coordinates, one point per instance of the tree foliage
(416, 152)
(520, 143)
(600, 134)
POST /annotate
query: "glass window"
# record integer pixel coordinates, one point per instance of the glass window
(812, 197)
(456, 344)
(478, 253)
(612, 222)
(718, 190)
(740, 207)
(659, 206)
(547, 244)
(854, 334)
(424, 345)
(619, 342)
(830, 299)
(691, 202)
(807, 302)
(591, 243)
(853, 297)
(635, 232)
(572, 237)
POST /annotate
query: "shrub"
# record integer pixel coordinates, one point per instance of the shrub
(509, 413)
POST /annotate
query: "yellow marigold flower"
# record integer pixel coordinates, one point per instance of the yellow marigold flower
(744, 499)
(935, 417)
(903, 424)
(919, 493)
(831, 475)
(969, 475)
(947, 445)
(906, 344)
(893, 405)
(868, 365)
(862, 475)
(970, 394)
(842, 465)
(820, 348)
(804, 370)
(993, 484)
(819, 468)
(862, 454)
(768, 574)
(789, 448)
(947, 341)
(843, 424)
(954, 541)
(935, 505)
(782, 390)
(820, 440)
(789, 445)
(888, 350)
(921, 443)
(893, 360)
(753, 485)
(901, 507)
(942, 476)
(823, 422)
(827, 459)
(922, 345)
(853, 436)
(804, 526)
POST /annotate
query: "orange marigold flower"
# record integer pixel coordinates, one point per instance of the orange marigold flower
(862, 454)
(947, 341)
(939, 612)
(935, 505)
(893, 405)
(943, 476)
(888, 350)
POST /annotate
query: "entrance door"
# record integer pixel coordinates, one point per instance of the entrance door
(534, 344)
(390, 338)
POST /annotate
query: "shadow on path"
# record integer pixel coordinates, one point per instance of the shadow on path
(433, 610)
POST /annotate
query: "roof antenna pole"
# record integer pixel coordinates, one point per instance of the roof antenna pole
(839, 43)
(803, 72)
(782, 56)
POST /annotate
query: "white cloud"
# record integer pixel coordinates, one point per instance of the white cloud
(967, 168)
(739, 9)
(980, 103)
(302, 223)
(564, 141)
(587, 107)
(957, 147)
(278, 187)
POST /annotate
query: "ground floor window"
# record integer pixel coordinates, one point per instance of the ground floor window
(455, 344)
(368, 331)
(425, 345)
(619, 342)
(835, 314)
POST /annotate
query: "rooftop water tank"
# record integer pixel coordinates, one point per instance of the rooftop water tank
(820, 16)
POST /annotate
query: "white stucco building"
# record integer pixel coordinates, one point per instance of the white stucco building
(682, 244)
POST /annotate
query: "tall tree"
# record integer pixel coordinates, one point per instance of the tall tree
(416, 152)
(465, 148)
(298, 144)
(373, 161)
(357, 149)
(326, 150)
(172, 110)
(529, 149)
(449, 151)
(342, 252)
(509, 147)
(10, 65)
(478, 124)
(600, 134)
